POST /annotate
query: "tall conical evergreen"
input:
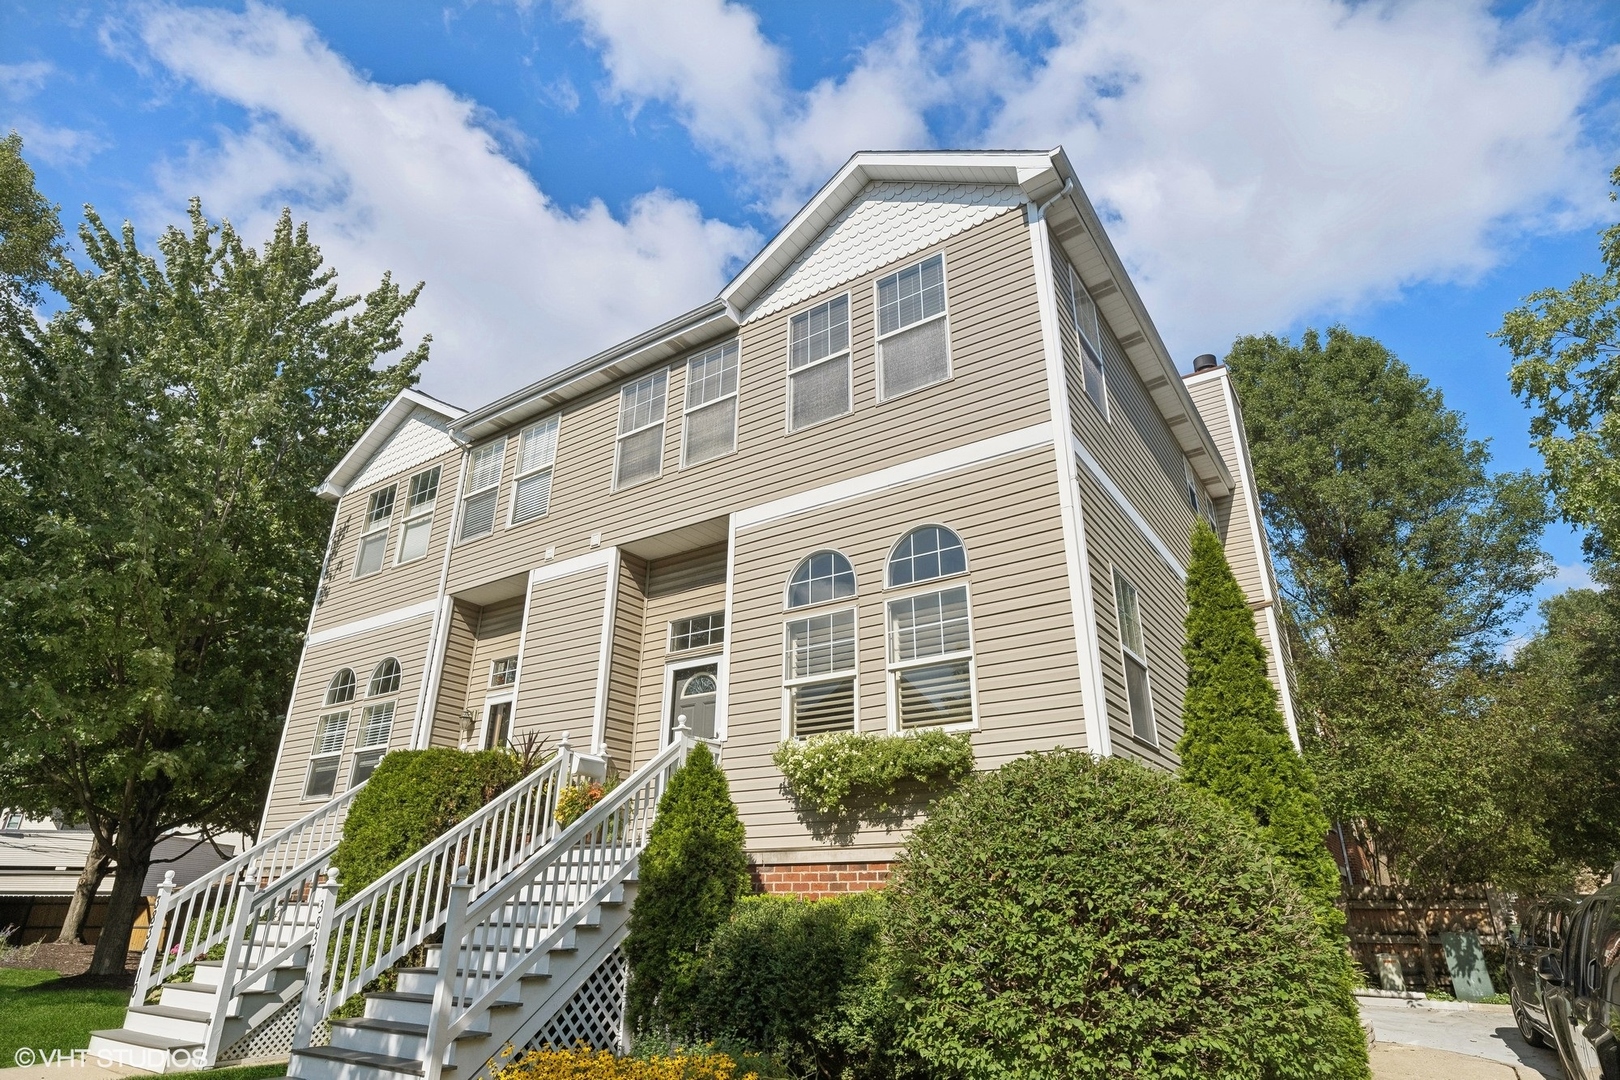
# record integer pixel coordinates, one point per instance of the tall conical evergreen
(691, 873)
(1235, 742)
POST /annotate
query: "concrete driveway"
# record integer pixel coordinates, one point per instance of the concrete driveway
(1419, 1042)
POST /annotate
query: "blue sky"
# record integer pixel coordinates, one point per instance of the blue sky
(564, 173)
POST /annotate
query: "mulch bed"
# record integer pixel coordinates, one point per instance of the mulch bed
(73, 961)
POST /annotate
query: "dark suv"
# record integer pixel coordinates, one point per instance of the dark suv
(1540, 933)
(1581, 988)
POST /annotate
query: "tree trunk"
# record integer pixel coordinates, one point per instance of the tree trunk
(1420, 923)
(132, 848)
(84, 892)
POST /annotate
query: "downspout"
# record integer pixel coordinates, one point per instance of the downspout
(1040, 208)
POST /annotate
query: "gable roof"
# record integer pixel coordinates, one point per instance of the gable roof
(394, 415)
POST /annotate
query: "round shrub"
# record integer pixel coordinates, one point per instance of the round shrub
(1066, 917)
(412, 798)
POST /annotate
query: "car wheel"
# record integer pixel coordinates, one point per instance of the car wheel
(1528, 1029)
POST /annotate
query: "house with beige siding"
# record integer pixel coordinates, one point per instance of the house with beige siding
(925, 463)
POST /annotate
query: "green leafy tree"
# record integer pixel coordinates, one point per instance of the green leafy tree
(30, 236)
(161, 543)
(1235, 743)
(691, 874)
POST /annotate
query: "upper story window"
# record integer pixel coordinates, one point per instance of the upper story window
(821, 577)
(384, 679)
(913, 346)
(1138, 688)
(926, 553)
(818, 364)
(709, 429)
(418, 527)
(819, 673)
(697, 632)
(503, 672)
(341, 688)
(1082, 312)
(537, 454)
(325, 754)
(640, 453)
(376, 722)
(483, 489)
(374, 538)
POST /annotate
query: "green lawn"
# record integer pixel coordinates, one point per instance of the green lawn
(36, 1015)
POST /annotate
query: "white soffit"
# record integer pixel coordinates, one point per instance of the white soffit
(886, 221)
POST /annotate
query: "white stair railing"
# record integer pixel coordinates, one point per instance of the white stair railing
(364, 936)
(191, 920)
(492, 941)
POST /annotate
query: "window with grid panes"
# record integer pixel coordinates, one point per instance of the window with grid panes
(926, 553)
(913, 340)
(503, 672)
(1087, 335)
(326, 754)
(374, 537)
(418, 527)
(819, 673)
(822, 576)
(1138, 687)
(384, 678)
(697, 631)
(640, 454)
(931, 658)
(709, 426)
(376, 724)
(537, 455)
(818, 363)
(482, 490)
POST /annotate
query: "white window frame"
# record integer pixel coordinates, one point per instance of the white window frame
(945, 314)
(519, 474)
(787, 585)
(1074, 285)
(506, 696)
(316, 754)
(789, 682)
(1128, 654)
(687, 408)
(500, 688)
(893, 667)
(418, 515)
(468, 495)
(621, 435)
(695, 650)
(848, 355)
(672, 670)
(371, 530)
(364, 749)
(967, 560)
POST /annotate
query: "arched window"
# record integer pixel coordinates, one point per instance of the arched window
(926, 553)
(341, 688)
(822, 576)
(384, 680)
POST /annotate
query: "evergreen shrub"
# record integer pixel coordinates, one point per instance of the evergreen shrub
(830, 771)
(809, 983)
(1235, 742)
(412, 798)
(1072, 917)
(691, 873)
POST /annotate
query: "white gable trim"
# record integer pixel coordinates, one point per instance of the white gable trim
(394, 414)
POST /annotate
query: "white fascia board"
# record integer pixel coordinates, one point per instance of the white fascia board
(395, 413)
(374, 622)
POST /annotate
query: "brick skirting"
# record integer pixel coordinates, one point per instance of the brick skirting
(816, 880)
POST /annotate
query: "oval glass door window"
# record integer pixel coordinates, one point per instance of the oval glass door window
(694, 697)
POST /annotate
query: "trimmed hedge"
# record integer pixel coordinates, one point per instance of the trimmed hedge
(831, 771)
(808, 982)
(412, 798)
(601, 1065)
(691, 874)
(1067, 917)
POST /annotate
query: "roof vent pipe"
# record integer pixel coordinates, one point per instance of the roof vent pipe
(1205, 362)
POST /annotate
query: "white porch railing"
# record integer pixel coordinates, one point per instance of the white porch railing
(377, 926)
(492, 941)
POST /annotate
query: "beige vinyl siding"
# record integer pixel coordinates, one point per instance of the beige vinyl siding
(997, 385)
(405, 642)
(557, 692)
(461, 632)
(660, 610)
(499, 626)
(1007, 514)
(345, 598)
(1113, 541)
(624, 674)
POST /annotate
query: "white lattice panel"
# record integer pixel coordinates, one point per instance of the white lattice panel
(594, 1016)
(271, 1039)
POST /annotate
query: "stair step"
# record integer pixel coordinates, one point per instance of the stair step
(344, 1056)
(170, 1012)
(145, 1038)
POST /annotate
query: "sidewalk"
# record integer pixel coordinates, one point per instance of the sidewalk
(1419, 1041)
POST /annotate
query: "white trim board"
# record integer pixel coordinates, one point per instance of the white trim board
(955, 459)
(374, 622)
(1128, 509)
(577, 565)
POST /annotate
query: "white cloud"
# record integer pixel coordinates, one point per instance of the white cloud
(59, 146)
(18, 81)
(1574, 576)
(411, 178)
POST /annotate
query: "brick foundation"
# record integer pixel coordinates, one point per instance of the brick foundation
(816, 880)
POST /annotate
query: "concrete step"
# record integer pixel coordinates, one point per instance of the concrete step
(144, 1051)
(166, 1021)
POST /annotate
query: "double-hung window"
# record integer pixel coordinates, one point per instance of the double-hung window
(818, 364)
(640, 453)
(913, 344)
(537, 454)
(930, 636)
(374, 537)
(327, 751)
(820, 672)
(483, 489)
(376, 721)
(418, 527)
(709, 428)
(1087, 332)
(1138, 688)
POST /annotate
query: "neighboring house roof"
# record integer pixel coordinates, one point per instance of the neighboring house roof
(430, 412)
(47, 862)
(856, 234)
